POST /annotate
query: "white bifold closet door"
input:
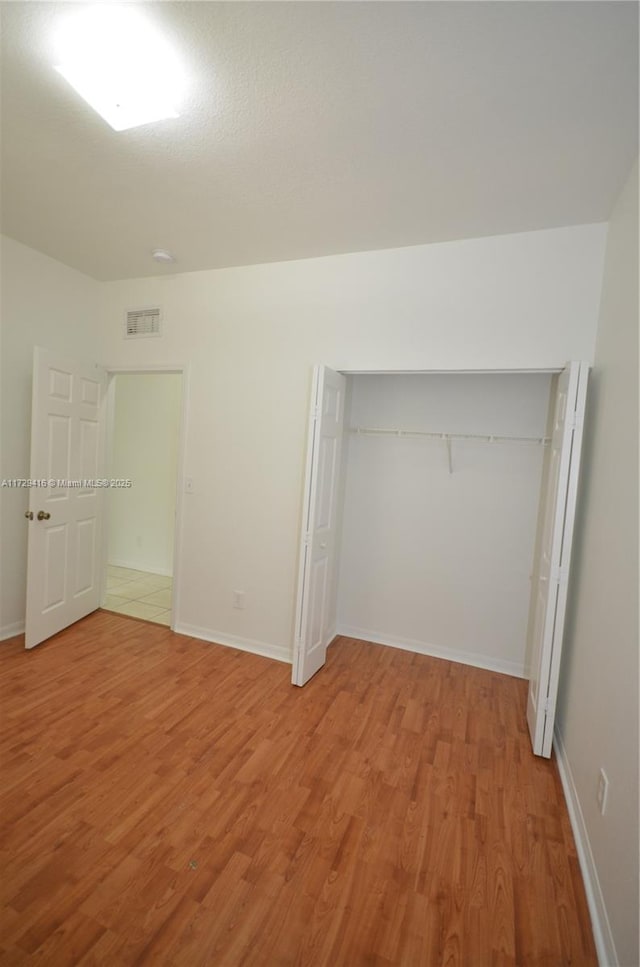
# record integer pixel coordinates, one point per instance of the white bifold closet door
(550, 581)
(315, 610)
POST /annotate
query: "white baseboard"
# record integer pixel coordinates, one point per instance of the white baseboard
(137, 566)
(501, 665)
(10, 631)
(231, 641)
(602, 935)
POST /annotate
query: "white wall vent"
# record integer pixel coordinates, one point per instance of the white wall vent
(142, 322)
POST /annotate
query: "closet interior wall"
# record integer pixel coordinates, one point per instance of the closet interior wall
(438, 535)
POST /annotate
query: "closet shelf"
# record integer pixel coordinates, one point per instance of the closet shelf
(447, 437)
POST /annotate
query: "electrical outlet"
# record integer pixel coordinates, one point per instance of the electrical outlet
(603, 791)
(189, 486)
(238, 600)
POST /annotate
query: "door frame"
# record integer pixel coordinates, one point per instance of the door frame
(351, 371)
(159, 369)
(521, 371)
(534, 370)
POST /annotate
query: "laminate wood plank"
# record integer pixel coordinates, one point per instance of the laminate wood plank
(52, 904)
(168, 943)
(13, 957)
(70, 941)
(173, 802)
(109, 949)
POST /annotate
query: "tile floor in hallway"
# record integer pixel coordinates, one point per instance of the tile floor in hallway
(139, 594)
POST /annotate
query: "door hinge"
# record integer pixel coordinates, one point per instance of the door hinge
(306, 540)
(547, 705)
(316, 413)
(574, 421)
(559, 575)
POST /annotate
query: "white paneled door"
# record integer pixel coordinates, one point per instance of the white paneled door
(315, 612)
(550, 582)
(66, 496)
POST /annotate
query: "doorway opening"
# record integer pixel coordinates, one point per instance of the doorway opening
(144, 420)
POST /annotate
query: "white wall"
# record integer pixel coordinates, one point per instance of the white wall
(251, 337)
(145, 431)
(43, 303)
(597, 719)
(434, 561)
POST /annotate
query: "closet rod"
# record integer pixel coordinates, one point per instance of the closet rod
(484, 437)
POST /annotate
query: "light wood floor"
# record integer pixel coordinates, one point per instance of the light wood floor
(171, 802)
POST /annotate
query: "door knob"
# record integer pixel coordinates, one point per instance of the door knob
(28, 514)
(43, 515)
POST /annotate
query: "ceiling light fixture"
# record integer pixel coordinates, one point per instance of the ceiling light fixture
(120, 65)
(161, 255)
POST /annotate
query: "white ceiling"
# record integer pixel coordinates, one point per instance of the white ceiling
(325, 127)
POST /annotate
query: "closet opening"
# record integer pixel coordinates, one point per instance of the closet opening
(442, 477)
(427, 514)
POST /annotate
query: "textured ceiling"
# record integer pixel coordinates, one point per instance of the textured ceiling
(318, 128)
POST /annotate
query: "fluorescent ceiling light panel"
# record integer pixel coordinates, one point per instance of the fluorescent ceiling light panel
(120, 65)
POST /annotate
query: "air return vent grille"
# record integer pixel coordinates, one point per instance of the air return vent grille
(142, 322)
